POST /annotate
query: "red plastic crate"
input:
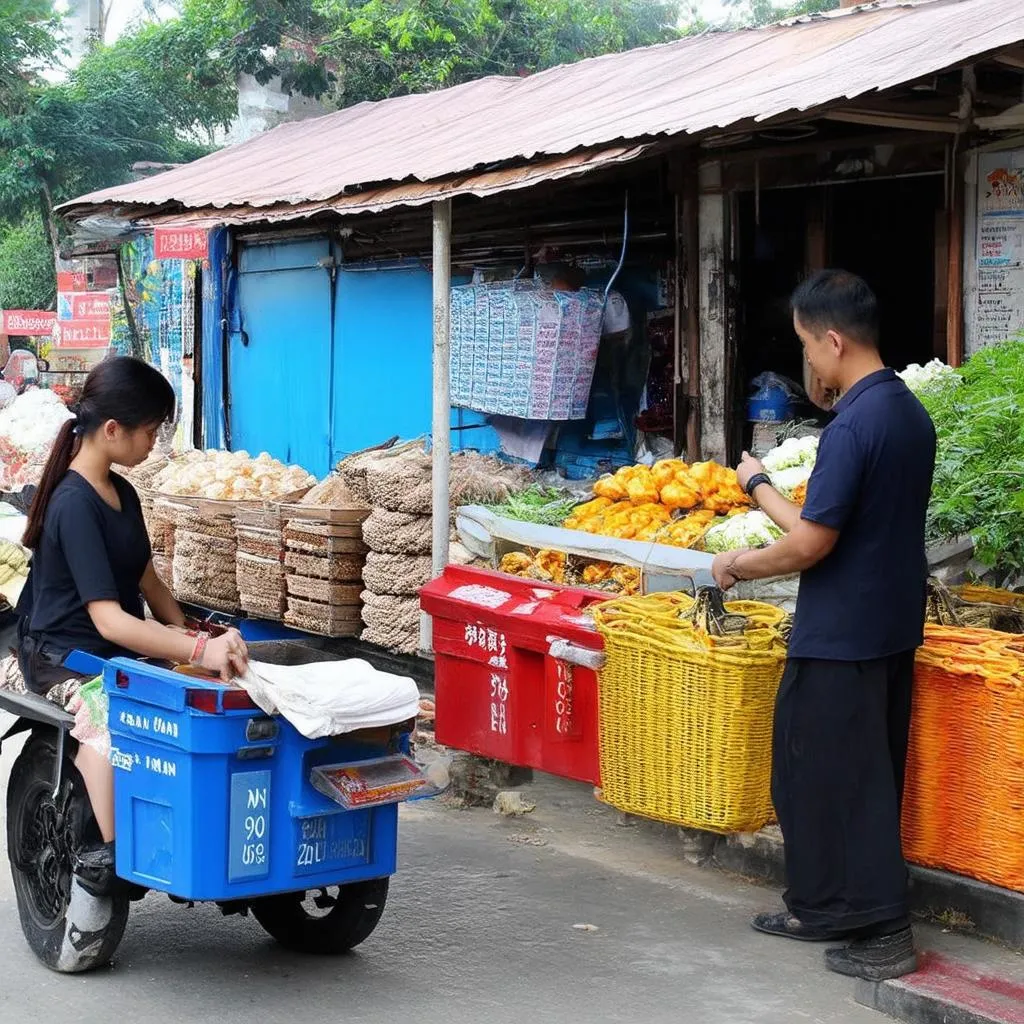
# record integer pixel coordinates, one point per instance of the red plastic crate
(500, 692)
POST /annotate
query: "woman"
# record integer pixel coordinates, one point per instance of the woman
(92, 570)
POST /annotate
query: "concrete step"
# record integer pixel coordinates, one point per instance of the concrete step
(959, 981)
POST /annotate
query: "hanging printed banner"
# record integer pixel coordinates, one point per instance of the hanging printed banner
(83, 306)
(180, 243)
(72, 281)
(27, 322)
(82, 334)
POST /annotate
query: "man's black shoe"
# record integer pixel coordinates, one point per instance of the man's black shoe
(879, 959)
(787, 926)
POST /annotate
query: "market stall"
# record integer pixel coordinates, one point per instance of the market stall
(621, 662)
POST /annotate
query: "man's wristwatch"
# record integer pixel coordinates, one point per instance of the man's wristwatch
(755, 481)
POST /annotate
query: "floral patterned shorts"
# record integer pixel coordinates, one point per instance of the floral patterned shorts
(83, 698)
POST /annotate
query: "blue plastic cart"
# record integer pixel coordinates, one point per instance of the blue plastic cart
(213, 802)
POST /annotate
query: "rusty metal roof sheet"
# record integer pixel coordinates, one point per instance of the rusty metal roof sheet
(415, 193)
(697, 85)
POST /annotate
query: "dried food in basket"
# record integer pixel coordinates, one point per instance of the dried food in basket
(324, 590)
(261, 542)
(321, 540)
(323, 619)
(337, 568)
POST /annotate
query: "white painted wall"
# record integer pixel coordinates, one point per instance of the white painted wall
(261, 107)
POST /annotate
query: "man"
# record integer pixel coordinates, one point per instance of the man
(842, 718)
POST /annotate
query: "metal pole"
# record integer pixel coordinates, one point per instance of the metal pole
(441, 426)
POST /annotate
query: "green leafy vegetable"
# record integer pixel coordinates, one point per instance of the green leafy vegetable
(979, 469)
(546, 506)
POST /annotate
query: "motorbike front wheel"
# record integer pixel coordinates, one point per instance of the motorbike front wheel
(326, 921)
(67, 928)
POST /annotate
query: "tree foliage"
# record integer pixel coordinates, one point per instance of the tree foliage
(27, 278)
(757, 13)
(391, 47)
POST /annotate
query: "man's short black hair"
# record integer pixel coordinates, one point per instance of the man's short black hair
(836, 300)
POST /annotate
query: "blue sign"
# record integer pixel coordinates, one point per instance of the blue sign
(249, 828)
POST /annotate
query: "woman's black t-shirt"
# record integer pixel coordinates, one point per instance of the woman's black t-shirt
(88, 552)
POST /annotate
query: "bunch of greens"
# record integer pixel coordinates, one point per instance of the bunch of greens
(546, 506)
(979, 469)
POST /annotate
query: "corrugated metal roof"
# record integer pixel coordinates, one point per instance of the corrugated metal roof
(696, 85)
(415, 193)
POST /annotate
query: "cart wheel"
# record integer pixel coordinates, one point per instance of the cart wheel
(324, 920)
(67, 928)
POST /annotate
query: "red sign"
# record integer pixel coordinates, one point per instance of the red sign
(72, 281)
(89, 306)
(27, 322)
(83, 334)
(181, 243)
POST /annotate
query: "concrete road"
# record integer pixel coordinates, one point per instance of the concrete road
(478, 930)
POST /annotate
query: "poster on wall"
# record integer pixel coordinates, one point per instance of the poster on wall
(1000, 247)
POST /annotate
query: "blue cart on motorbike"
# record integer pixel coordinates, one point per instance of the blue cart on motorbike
(213, 802)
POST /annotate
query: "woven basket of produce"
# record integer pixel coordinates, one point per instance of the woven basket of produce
(396, 574)
(686, 700)
(965, 768)
(975, 607)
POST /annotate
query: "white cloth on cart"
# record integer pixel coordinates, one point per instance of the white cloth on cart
(328, 698)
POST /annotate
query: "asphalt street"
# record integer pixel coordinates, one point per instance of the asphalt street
(481, 926)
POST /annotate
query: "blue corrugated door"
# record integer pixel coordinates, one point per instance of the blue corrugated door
(280, 353)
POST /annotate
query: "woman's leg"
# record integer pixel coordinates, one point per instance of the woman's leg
(98, 775)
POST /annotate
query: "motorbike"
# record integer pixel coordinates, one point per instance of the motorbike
(214, 802)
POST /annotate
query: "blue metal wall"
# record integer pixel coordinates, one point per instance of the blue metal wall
(316, 375)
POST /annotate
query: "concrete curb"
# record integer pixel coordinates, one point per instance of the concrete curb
(944, 991)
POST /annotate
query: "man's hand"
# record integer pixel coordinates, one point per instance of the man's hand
(723, 571)
(748, 468)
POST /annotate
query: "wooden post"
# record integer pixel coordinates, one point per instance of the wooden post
(441, 424)
(815, 258)
(690, 279)
(711, 225)
(955, 268)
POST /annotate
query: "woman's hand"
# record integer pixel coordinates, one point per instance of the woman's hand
(227, 655)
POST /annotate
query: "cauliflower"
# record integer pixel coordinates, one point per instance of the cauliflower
(746, 530)
(794, 451)
(918, 377)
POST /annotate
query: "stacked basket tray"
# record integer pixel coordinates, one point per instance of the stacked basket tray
(323, 557)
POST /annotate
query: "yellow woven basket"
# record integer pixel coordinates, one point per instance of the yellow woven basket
(686, 719)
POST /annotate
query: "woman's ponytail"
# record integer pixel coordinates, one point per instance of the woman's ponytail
(61, 454)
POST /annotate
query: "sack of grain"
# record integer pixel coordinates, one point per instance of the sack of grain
(334, 493)
(392, 622)
(404, 575)
(402, 483)
(397, 533)
(353, 468)
(383, 611)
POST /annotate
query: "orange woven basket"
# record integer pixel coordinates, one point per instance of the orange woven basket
(963, 810)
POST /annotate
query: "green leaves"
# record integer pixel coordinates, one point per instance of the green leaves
(979, 472)
(26, 265)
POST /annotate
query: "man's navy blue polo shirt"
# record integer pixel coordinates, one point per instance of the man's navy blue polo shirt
(871, 482)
